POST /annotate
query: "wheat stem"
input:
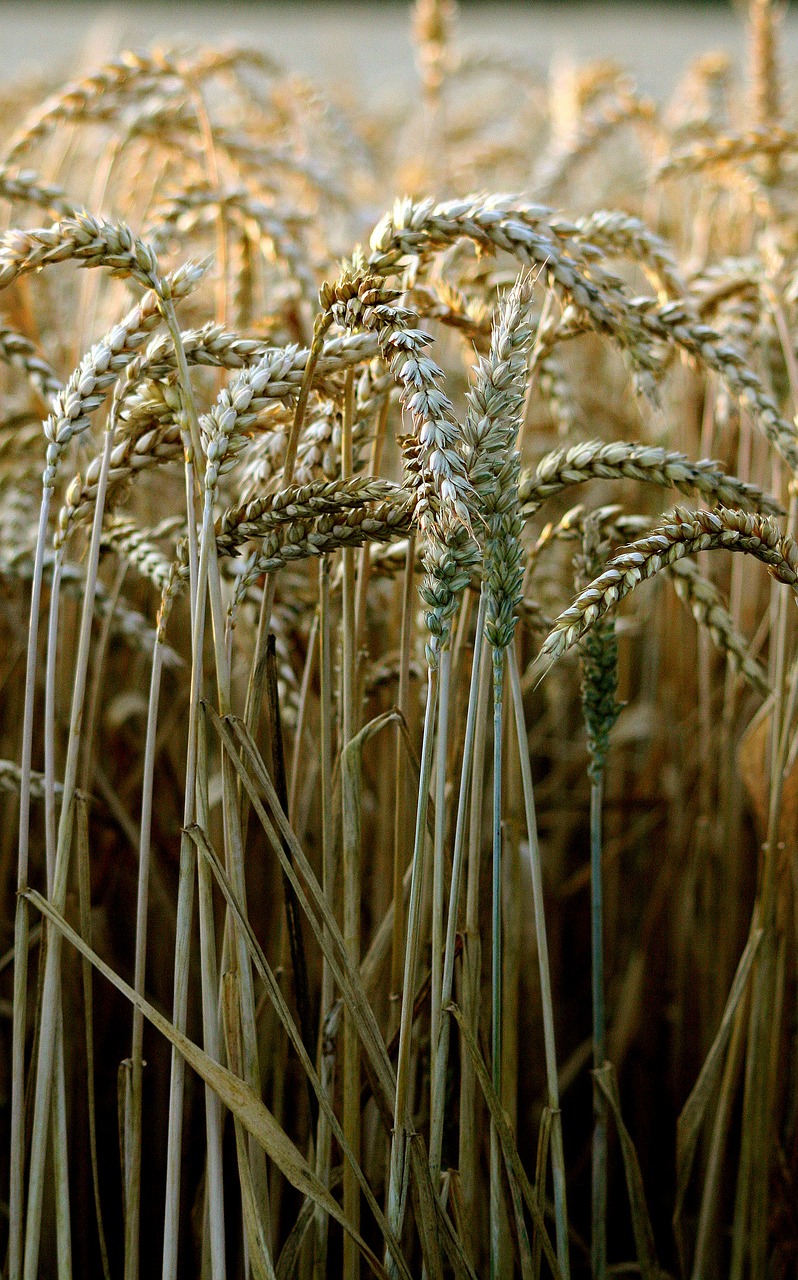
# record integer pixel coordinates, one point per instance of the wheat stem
(441, 1060)
(51, 1002)
(323, 1142)
(557, 1153)
(496, 1206)
(397, 1186)
(21, 916)
(598, 1255)
(133, 1126)
(351, 856)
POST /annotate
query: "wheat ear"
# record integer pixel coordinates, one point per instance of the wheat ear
(685, 533)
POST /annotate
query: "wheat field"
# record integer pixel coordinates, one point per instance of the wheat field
(400, 841)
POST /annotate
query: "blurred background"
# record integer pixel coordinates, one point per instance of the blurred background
(331, 42)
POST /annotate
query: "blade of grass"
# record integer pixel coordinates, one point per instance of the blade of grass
(323, 1140)
(496, 1223)
(541, 1169)
(350, 826)
(641, 1222)
(599, 1184)
(400, 825)
(258, 1251)
(133, 1109)
(468, 1156)
(295, 940)
(209, 985)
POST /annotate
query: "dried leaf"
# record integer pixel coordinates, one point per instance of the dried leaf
(230, 1089)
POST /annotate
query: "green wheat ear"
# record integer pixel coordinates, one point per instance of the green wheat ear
(599, 655)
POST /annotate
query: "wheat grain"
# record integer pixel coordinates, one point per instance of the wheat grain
(432, 23)
(359, 300)
(600, 705)
(174, 218)
(305, 539)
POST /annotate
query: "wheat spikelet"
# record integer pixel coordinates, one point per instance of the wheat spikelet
(432, 23)
(594, 459)
(675, 322)
(306, 539)
(26, 187)
(620, 233)
(489, 434)
(531, 233)
(730, 149)
(599, 654)
(19, 352)
(90, 241)
(700, 595)
(173, 220)
(127, 623)
(137, 548)
(149, 432)
(319, 452)
(577, 90)
(237, 407)
(724, 281)
(765, 19)
(705, 603)
(265, 159)
(359, 300)
(173, 586)
(86, 388)
(610, 522)
(685, 534)
(301, 502)
(232, 58)
(217, 347)
(637, 323)
(11, 780)
(441, 300)
(593, 130)
(96, 95)
(555, 390)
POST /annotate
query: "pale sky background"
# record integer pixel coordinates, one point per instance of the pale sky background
(370, 48)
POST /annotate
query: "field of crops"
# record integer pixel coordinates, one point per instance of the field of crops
(400, 796)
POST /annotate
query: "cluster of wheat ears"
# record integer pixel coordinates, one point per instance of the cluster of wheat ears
(331, 769)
